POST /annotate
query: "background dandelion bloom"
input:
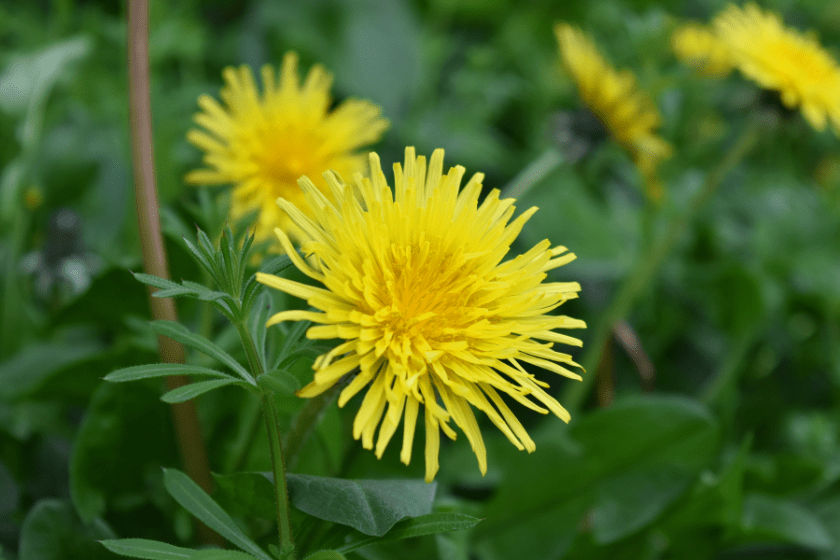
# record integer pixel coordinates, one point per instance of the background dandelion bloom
(613, 97)
(415, 285)
(698, 46)
(785, 60)
(263, 143)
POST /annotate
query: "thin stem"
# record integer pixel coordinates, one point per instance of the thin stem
(648, 264)
(533, 174)
(281, 494)
(187, 428)
(275, 443)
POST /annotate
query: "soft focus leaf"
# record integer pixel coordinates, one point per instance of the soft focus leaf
(785, 520)
(25, 372)
(52, 531)
(279, 381)
(370, 506)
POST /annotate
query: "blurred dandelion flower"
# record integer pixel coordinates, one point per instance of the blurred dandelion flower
(784, 60)
(698, 46)
(263, 143)
(614, 98)
(428, 312)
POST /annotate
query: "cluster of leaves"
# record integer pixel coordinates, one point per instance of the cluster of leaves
(752, 288)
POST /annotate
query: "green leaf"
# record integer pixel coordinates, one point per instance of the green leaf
(134, 373)
(52, 531)
(202, 259)
(643, 440)
(370, 506)
(158, 282)
(149, 550)
(179, 333)
(194, 500)
(326, 555)
(768, 516)
(106, 463)
(25, 372)
(279, 381)
(246, 493)
(423, 525)
(187, 392)
(215, 554)
(276, 265)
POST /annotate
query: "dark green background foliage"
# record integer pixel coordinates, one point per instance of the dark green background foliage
(751, 291)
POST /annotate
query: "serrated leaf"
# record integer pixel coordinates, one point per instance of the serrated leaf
(197, 502)
(369, 506)
(161, 370)
(179, 333)
(279, 381)
(276, 264)
(429, 524)
(155, 281)
(147, 549)
(187, 392)
(179, 291)
(200, 258)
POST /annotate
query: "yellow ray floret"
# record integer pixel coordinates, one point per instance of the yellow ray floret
(415, 283)
(614, 98)
(263, 143)
(785, 60)
(698, 46)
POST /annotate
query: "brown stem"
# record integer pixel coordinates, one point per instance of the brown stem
(187, 429)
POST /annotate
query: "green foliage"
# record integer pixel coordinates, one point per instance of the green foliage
(734, 455)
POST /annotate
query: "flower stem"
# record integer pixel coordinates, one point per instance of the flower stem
(187, 428)
(648, 264)
(275, 443)
(281, 494)
(532, 174)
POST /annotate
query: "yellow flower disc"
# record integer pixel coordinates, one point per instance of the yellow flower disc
(614, 98)
(785, 60)
(429, 313)
(262, 144)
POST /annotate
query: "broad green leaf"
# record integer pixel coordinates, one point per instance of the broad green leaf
(423, 525)
(28, 370)
(370, 506)
(279, 381)
(536, 511)
(187, 392)
(107, 465)
(181, 334)
(768, 516)
(52, 531)
(9, 494)
(194, 500)
(161, 370)
(149, 550)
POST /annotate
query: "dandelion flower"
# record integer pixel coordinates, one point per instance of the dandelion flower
(614, 98)
(698, 46)
(428, 312)
(784, 60)
(263, 143)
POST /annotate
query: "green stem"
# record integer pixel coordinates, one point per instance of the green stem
(727, 374)
(532, 174)
(281, 494)
(648, 264)
(275, 443)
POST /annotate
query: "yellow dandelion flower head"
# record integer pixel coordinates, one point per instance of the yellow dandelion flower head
(613, 97)
(698, 46)
(416, 288)
(785, 60)
(262, 143)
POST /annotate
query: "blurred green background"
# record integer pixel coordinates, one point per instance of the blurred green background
(752, 288)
